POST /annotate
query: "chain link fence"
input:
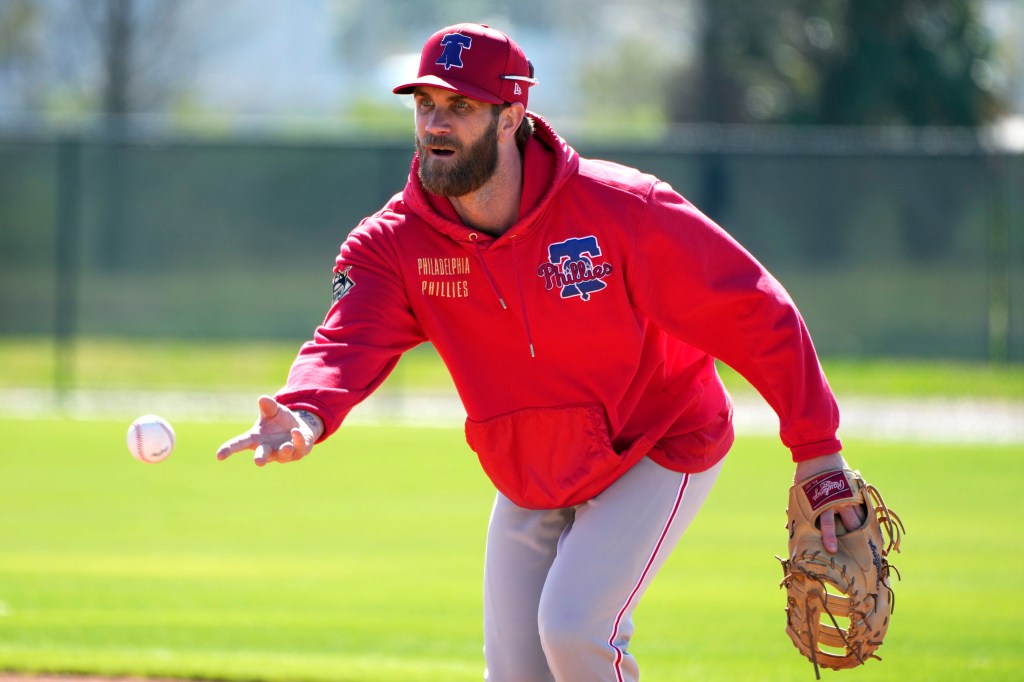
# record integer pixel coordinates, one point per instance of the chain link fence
(893, 243)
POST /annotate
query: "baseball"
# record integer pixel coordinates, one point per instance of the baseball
(150, 439)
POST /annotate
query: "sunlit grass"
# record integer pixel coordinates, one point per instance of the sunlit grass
(362, 563)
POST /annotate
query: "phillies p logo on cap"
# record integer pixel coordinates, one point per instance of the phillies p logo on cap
(454, 44)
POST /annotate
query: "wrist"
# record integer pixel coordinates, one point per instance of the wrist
(812, 467)
(315, 424)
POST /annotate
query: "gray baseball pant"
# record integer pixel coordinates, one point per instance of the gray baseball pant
(561, 585)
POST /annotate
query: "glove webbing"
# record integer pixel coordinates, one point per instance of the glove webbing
(837, 602)
(887, 519)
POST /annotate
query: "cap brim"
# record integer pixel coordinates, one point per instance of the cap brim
(450, 84)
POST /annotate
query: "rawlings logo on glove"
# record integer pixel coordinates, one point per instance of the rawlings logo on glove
(826, 488)
(852, 584)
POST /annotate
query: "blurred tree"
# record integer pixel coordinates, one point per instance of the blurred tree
(19, 49)
(128, 56)
(106, 59)
(579, 47)
(843, 62)
(849, 63)
(140, 66)
(370, 29)
(916, 62)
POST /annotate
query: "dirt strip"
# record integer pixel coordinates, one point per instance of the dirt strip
(12, 677)
(59, 677)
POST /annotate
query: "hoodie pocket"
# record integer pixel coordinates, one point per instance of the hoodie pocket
(547, 458)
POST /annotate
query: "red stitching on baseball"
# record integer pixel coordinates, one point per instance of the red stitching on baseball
(170, 436)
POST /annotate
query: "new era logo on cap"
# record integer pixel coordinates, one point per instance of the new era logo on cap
(476, 61)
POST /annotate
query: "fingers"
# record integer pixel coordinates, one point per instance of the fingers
(827, 522)
(295, 449)
(247, 441)
(852, 517)
(268, 407)
(262, 454)
(289, 451)
(273, 438)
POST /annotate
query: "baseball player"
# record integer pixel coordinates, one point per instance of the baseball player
(579, 306)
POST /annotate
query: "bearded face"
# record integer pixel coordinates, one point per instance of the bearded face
(450, 168)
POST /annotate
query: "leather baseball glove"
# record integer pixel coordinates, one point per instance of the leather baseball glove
(838, 605)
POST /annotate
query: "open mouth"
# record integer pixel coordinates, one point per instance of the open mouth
(441, 152)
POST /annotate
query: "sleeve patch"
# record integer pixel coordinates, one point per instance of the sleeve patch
(342, 284)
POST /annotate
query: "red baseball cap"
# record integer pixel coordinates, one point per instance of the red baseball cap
(477, 61)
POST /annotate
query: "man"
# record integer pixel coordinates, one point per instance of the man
(579, 306)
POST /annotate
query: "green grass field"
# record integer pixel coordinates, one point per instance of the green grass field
(363, 562)
(157, 364)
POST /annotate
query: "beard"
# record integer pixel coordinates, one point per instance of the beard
(460, 176)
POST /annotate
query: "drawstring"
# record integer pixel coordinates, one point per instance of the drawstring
(522, 298)
(497, 292)
(490, 278)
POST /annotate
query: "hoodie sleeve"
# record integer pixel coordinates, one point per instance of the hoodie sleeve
(367, 329)
(697, 283)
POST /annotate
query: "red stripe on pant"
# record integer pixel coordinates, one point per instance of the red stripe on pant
(643, 576)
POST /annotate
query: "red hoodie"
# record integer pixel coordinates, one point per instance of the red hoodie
(580, 340)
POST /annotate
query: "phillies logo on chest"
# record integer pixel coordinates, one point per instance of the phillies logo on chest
(571, 268)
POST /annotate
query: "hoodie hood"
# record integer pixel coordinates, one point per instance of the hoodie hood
(548, 162)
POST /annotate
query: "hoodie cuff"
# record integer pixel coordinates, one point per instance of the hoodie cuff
(802, 453)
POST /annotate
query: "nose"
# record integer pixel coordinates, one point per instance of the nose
(436, 122)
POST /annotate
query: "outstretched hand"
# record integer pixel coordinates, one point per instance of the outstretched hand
(279, 435)
(852, 516)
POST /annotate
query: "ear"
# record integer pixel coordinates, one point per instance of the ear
(510, 120)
